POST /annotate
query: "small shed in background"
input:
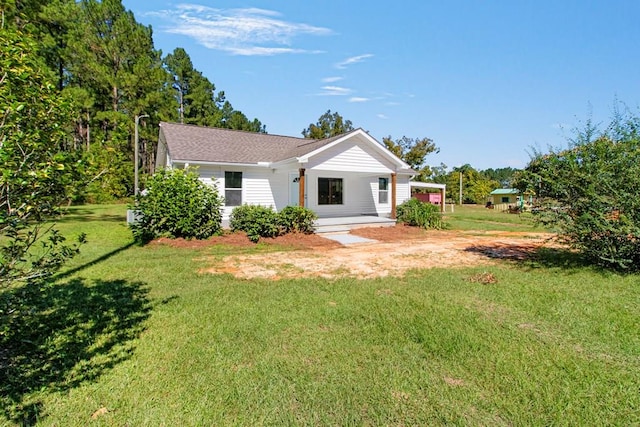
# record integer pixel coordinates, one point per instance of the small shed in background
(509, 199)
(504, 195)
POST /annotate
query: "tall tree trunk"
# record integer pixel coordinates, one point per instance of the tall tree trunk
(114, 94)
(88, 132)
(181, 106)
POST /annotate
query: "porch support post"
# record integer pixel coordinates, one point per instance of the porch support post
(301, 187)
(442, 193)
(393, 195)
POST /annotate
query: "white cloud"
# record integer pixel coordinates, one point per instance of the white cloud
(332, 79)
(335, 91)
(382, 116)
(353, 60)
(249, 31)
(358, 99)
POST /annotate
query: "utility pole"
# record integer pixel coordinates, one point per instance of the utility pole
(460, 188)
(136, 151)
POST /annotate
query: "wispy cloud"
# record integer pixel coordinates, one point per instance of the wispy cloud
(249, 31)
(335, 91)
(353, 60)
(382, 116)
(332, 79)
(358, 99)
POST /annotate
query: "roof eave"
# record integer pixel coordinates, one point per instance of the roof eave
(205, 163)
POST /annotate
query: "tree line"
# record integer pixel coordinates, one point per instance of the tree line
(100, 59)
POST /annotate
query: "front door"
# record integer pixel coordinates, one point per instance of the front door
(294, 189)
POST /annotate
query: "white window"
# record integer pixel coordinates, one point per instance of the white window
(232, 188)
(383, 190)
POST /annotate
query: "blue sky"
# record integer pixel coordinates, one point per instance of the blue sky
(486, 80)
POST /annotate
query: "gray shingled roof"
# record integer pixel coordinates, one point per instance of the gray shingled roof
(203, 144)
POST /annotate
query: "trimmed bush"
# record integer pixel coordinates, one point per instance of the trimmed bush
(255, 220)
(416, 213)
(177, 204)
(296, 219)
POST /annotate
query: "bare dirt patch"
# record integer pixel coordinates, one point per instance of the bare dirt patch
(395, 250)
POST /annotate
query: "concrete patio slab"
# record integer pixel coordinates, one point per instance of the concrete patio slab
(346, 238)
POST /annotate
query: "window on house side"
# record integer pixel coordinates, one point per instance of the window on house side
(232, 188)
(505, 199)
(383, 190)
(330, 191)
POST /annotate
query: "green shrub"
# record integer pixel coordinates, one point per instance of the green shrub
(255, 220)
(416, 213)
(297, 219)
(177, 204)
(589, 192)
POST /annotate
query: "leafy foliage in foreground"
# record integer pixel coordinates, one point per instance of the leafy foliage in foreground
(177, 204)
(36, 173)
(416, 213)
(590, 192)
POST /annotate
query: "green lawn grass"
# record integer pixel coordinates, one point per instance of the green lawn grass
(479, 218)
(140, 332)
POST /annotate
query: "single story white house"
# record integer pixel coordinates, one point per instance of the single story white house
(347, 175)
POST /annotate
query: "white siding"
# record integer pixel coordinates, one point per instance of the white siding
(260, 186)
(350, 156)
(403, 190)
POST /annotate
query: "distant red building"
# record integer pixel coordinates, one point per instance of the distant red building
(433, 198)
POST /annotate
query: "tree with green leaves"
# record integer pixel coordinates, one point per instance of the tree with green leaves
(194, 93)
(504, 176)
(198, 102)
(116, 74)
(113, 55)
(237, 120)
(476, 186)
(414, 152)
(589, 191)
(36, 172)
(328, 125)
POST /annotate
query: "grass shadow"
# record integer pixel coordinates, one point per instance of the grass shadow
(93, 262)
(557, 258)
(55, 336)
(76, 217)
(533, 257)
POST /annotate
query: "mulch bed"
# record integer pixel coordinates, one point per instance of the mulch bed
(298, 240)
